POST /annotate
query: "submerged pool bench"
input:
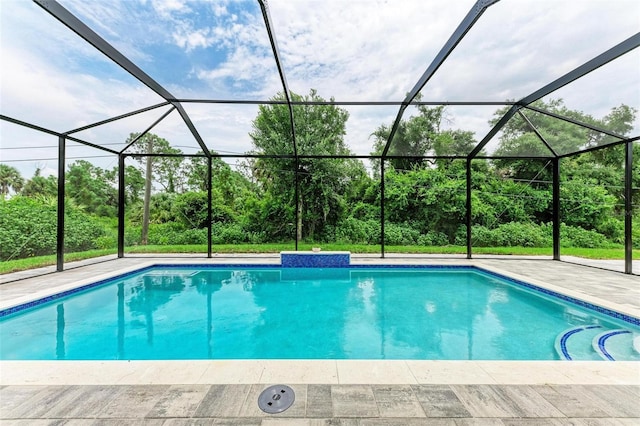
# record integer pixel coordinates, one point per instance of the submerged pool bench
(314, 259)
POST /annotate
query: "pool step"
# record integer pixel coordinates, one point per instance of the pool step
(620, 344)
(576, 343)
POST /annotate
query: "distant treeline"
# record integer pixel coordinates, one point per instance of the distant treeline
(425, 201)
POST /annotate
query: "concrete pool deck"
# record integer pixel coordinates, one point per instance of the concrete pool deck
(329, 391)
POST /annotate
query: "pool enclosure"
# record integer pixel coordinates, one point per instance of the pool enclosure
(98, 77)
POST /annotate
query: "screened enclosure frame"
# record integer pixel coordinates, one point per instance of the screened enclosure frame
(520, 108)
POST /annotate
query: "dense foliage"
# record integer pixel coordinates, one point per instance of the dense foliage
(425, 201)
(28, 228)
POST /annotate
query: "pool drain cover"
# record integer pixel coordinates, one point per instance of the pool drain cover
(276, 399)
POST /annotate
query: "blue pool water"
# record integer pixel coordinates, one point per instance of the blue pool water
(273, 313)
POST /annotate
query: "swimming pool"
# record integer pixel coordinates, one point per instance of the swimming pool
(258, 312)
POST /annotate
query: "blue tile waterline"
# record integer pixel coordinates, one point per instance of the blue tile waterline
(518, 283)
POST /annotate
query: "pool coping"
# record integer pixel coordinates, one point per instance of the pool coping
(320, 371)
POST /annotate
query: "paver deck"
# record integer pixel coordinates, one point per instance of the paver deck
(330, 392)
(323, 405)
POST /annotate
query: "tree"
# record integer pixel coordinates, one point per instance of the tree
(320, 130)
(40, 186)
(451, 143)
(10, 179)
(620, 120)
(585, 204)
(519, 140)
(196, 171)
(454, 143)
(164, 170)
(427, 200)
(134, 183)
(231, 184)
(415, 137)
(92, 188)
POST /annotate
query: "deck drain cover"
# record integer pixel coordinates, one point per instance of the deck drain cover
(276, 399)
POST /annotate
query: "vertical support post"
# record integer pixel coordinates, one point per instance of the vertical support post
(468, 212)
(60, 225)
(556, 208)
(209, 207)
(297, 201)
(382, 208)
(121, 204)
(628, 208)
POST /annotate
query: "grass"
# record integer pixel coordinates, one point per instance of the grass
(41, 261)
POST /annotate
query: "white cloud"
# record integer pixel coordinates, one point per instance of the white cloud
(166, 8)
(219, 10)
(242, 65)
(361, 50)
(353, 50)
(49, 85)
(34, 91)
(511, 52)
(225, 128)
(118, 23)
(192, 39)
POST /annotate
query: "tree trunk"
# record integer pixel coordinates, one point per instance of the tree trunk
(299, 224)
(147, 195)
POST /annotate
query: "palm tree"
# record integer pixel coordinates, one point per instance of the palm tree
(10, 178)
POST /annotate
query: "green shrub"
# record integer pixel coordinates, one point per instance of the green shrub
(512, 234)
(106, 242)
(191, 209)
(357, 231)
(399, 235)
(585, 204)
(515, 234)
(228, 233)
(481, 236)
(573, 236)
(28, 228)
(613, 229)
(81, 231)
(364, 211)
(269, 216)
(132, 235)
(433, 239)
(257, 237)
(531, 235)
(192, 236)
(173, 233)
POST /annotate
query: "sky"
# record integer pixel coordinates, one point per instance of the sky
(350, 50)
